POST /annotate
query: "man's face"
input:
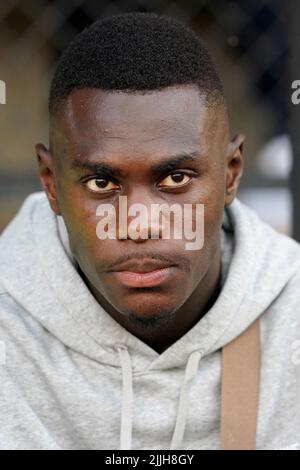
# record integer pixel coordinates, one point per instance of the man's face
(139, 138)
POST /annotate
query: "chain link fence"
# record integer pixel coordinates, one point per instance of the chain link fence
(248, 39)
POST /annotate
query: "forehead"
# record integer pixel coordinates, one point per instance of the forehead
(168, 120)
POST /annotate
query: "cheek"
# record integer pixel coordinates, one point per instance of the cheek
(212, 230)
(212, 199)
(211, 193)
(81, 222)
(207, 213)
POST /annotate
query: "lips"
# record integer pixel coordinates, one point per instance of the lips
(144, 273)
(149, 279)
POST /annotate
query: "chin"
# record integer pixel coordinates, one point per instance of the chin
(150, 321)
(149, 312)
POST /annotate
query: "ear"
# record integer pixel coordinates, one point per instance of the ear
(46, 173)
(234, 167)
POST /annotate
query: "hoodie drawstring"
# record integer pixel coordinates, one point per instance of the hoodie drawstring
(127, 401)
(190, 373)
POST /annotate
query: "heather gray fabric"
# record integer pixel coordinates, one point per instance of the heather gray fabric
(73, 378)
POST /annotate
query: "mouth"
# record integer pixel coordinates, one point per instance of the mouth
(143, 274)
(147, 279)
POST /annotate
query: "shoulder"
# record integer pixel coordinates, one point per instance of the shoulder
(25, 211)
(16, 323)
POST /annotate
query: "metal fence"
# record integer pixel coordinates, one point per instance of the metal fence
(248, 38)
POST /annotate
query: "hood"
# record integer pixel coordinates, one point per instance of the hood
(37, 271)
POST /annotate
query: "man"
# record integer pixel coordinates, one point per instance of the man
(117, 342)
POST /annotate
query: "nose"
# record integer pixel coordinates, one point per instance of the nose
(136, 219)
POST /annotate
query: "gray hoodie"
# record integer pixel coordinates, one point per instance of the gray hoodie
(73, 378)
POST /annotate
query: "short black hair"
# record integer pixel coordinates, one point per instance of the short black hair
(133, 52)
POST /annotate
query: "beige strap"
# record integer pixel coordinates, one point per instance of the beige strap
(240, 390)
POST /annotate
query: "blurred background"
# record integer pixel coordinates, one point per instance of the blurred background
(254, 42)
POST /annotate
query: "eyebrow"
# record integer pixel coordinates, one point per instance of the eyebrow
(174, 161)
(109, 170)
(102, 168)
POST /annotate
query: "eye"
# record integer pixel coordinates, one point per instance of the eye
(100, 185)
(175, 180)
